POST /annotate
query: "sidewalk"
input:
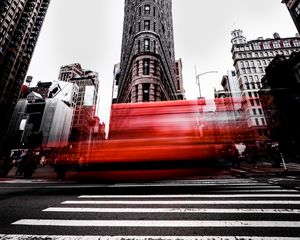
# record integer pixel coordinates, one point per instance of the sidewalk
(262, 168)
(265, 168)
(46, 172)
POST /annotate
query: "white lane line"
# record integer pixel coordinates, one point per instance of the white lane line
(68, 237)
(259, 190)
(193, 196)
(187, 202)
(172, 210)
(254, 185)
(212, 181)
(155, 223)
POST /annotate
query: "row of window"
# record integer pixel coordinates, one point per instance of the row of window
(251, 78)
(249, 86)
(250, 70)
(297, 9)
(263, 122)
(147, 47)
(146, 67)
(146, 92)
(264, 62)
(252, 102)
(269, 45)
(264, 54)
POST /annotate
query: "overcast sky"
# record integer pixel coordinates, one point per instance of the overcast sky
(89, 32)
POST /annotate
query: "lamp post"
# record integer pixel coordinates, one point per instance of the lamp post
(198, 80)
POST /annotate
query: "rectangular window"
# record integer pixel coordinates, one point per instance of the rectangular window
(256, 121)
(147, 44)
(137, 67)
(297, 9)
(146, 66)
(147, 25)
(147, 9)
(266, 45)
(136, 93)
(286, 43)
(146, 87)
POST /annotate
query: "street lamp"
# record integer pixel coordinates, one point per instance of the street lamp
(198, 80)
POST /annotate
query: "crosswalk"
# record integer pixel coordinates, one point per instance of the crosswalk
(216, 209)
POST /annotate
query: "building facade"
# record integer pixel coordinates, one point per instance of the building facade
(147, 65)
(20, 25)
(250, 60)
(294, 8)
(87, 98)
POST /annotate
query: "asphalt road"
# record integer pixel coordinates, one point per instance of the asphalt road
(228, 208)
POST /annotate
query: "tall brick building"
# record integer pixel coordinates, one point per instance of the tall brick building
(20, 25)
(148, 70)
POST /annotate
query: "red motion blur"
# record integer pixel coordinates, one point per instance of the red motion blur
(163, 131)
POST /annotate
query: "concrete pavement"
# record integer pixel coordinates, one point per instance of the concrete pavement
(262, 168)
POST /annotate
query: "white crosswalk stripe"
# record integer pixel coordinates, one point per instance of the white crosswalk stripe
(63, 237)
(155, 223)
(173, 210)
(243, 206)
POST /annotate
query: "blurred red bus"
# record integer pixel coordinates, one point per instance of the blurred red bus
(163, 135)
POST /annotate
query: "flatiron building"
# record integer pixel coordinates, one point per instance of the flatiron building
(148, 69)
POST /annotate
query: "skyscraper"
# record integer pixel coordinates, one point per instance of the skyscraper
(294, 8)
(148, 66)
(20, 25)
(85, 110)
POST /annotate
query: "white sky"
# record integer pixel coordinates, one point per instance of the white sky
(90, 32)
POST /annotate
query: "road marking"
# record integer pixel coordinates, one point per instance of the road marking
(259, 190)
(155, 223)
(186, 202)
(172, 210)
(192, 196)
(241, 185)
(214, 181)
(67, 237)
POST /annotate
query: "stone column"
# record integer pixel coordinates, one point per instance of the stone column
(152, 96)
(133, 94)
(158, 93)
(140, 93)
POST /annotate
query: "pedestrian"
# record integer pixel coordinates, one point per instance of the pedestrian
(20, 163)
(239, 151)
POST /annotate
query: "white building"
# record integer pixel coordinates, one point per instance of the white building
(250, 60)
(56, 123)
